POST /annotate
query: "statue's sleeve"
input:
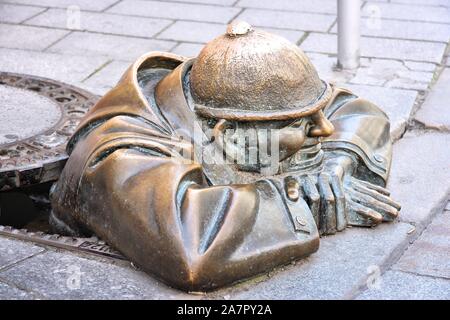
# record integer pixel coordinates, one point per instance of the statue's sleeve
(131, 185)
(362, 129)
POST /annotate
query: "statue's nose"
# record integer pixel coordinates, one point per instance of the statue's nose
(321, 127)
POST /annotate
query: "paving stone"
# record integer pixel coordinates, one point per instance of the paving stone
(410, 80)
(444, 3)
(102, 22)
(287, 20)
(376, 72)
(183, 11)
(204, 32)
(292, 35)
(116, 47)
(343, 263)
(63, 275)
(8, 292)
(322, 6)
(326, 67)
(391, 73)
(107, 77)
(430, 253)
(97, 5)
(13, 251)
(68, 68)
(396, 285)
(188, 49)
(31, 38)
(404, 29)
(397, 103)
(16, 14)
(322, 43)
(420, 66)
(435, 111)
(407, 12)
(419, 175)
(217, 2)
(380, 48)
(192, 31)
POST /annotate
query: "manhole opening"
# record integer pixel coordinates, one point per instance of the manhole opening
(26, 208)
(24, 215)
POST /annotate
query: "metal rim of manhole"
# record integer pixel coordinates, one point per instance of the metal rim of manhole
(40, 158)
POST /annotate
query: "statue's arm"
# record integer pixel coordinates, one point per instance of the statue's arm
(132, 187)
(358, 157)
(361, 129)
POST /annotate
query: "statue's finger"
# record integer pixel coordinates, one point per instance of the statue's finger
(292, 188)
(312, 197)
(376, 195)
(367, 213)
(368, 201)
(328, 210)
(339, 196)
(372, 186)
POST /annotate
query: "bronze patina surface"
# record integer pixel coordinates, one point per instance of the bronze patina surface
(211, 170)
(255, 75)
(40, 157)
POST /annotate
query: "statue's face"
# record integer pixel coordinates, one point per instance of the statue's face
(254, 145)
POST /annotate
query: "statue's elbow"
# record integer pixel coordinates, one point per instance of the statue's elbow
(198, 275)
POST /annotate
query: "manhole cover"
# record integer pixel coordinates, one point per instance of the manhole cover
(25, 114)
(37, 117)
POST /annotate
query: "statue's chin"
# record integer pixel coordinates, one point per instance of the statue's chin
(308, 158)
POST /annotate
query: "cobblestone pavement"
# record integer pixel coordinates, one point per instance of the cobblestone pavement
(405, 69)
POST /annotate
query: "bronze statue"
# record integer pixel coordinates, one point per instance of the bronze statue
(210, 170)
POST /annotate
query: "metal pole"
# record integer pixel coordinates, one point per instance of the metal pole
(348, 33)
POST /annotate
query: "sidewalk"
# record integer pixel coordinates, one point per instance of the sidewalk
(405, 70)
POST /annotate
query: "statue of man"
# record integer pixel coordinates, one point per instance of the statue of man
(299, 159)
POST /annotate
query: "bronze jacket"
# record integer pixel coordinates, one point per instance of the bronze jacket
(126, 180)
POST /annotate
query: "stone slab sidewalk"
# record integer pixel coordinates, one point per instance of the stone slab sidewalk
(404, 69)
(423, 272)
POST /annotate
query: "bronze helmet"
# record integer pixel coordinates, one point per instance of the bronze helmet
(250, 75)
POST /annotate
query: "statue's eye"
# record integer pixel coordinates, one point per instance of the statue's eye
(211, 123)
(307, 125)
(300, 123)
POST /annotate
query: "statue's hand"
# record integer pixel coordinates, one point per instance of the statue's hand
(368, 204)
(325, 196)
(337, 199)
